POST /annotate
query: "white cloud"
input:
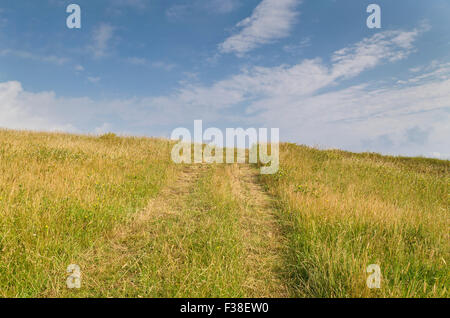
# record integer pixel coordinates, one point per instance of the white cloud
(222, 6)
(410, 117)
(53, 59)
(298, 48)
(23, 110)
(144, 62)
(163, 65)
(366, 118)
(79, 68)
(93, 79)
(137, 60)
(389, 46)
(271, 20)
(101, 40)
(177, 11)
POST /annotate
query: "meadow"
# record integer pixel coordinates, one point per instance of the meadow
(61, 194)
(139, 225)
(341, 212)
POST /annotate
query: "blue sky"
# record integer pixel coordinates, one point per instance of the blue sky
(311, 68)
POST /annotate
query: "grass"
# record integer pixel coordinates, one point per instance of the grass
(341, 212)
(141, 226)
(136, 224)
(190, 241)
(174, 248)
(60, 195)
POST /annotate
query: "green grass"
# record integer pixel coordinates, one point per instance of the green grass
(189, 242)
(140, 226)
(198, 248)
(341, 212)
(187, 248)
(60, 195)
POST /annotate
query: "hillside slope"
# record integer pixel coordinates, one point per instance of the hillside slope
(139, 225)
(342, 212)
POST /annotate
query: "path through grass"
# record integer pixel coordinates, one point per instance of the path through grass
(208, 234)
(141, 226)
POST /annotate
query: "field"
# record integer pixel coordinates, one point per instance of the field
(139, 225)
(341, 212)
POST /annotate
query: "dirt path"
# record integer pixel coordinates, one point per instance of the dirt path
(172, 198)
(118, 261)
(211, 232)
(262, 238)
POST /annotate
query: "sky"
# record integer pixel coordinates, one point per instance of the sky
(311, 68)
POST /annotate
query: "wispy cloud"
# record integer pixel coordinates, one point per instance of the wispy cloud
(53, 59)
(178, 11)
(93, 79)
(222, 6)
(408, 116)
(101, 40)
(298, 47)
(137, 60)
(79, 68)
(145, 62)
(271, 20)
(3, 20)
(163, 65)
(384, 46)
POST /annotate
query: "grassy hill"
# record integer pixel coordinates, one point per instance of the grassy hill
(139, 225)
(341, 212)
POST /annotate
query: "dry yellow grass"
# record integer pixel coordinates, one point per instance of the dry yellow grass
(60, 195)
(203, 236)
(140, 226)
(262, 241)
(136, 224)
(342, 212)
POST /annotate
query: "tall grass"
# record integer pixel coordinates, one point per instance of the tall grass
(59, 196)
(342, 212)
(184, 244)
(137, 224)
(196, 250)
(141, 226)
(189, 242)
